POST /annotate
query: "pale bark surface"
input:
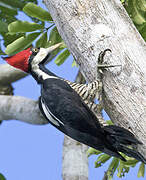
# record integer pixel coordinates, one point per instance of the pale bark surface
(89, 26)
(16, 107)
(20, 108)
(8, 74)
(74, 161)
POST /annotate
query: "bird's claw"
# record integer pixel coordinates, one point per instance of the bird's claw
(101, 55)
(100, 64)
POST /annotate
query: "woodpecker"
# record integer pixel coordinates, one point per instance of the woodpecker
(61, 104)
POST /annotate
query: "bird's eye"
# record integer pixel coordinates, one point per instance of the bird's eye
(35, 50)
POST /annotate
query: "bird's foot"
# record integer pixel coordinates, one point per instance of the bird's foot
(100, 65)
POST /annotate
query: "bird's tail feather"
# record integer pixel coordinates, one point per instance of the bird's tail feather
(118, 139)
(131, 153)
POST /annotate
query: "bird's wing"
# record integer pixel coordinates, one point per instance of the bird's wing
(63, 106)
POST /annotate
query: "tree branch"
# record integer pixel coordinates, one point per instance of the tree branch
(15, 107)
(89, 26)
(105, 177)
(10, 74)
(20, 108)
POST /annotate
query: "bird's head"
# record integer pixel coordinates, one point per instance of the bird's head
(31, 56)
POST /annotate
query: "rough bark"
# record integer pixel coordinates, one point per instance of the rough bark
(89, 26)
(74, 161)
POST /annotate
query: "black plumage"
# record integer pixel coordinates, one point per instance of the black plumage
(66, 110)
(81, 124)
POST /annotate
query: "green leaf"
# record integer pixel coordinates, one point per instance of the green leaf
(10, 10)
(54, 37)
(130, 162)
(3, 27)
(136, 10)
(74, 64)
(23, 26)
(142, 30)
(122, 169)
(37, 12)
(141, 170)
(12, 3)
(8, 38)
(112, 167)
(2, 177)
(21, 43)
(62, 57)
(109, 122)
(42, 41)
(101, 160)
(1, 52)
(7, 18)
(91, 151)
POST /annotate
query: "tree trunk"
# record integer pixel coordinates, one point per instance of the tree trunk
(90, 26)
(74, 161)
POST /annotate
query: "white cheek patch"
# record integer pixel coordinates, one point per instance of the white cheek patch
(37, 60)
(40, 56)
(50, 116)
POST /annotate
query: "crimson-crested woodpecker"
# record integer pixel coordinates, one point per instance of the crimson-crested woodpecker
(65, 109)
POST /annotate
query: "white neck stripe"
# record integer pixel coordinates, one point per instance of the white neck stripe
(40, 73)
(40, 56)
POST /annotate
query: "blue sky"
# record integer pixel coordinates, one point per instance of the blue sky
(33, 152)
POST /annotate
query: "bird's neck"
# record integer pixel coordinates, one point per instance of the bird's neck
(40, 73)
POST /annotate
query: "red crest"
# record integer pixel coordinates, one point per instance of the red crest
(20, 60)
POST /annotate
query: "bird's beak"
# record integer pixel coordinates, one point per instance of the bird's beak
(52, 48)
